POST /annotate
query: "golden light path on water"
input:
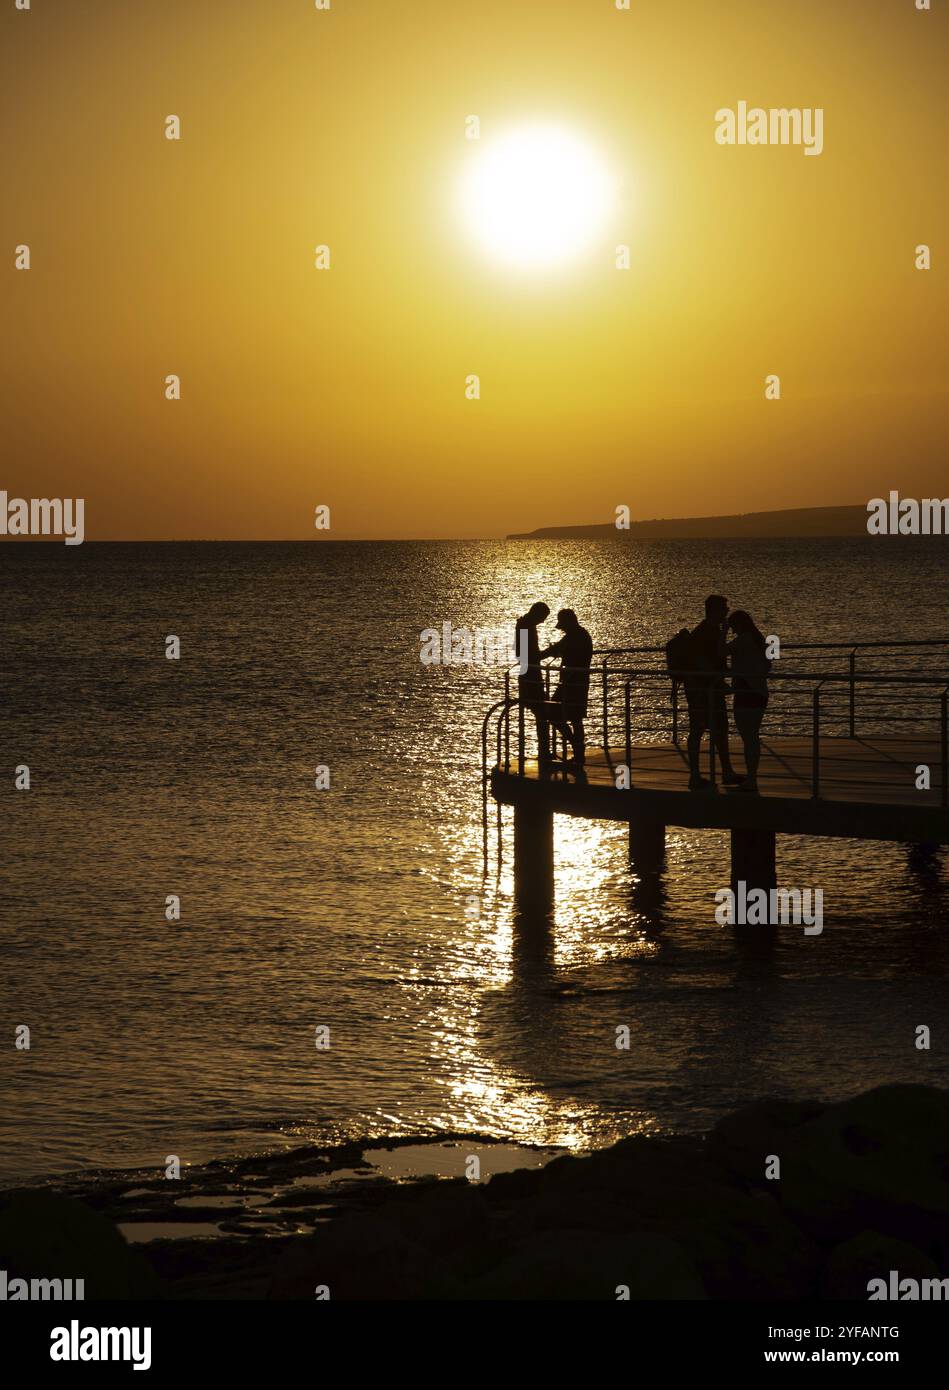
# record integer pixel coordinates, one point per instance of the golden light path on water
(350, 907)
(499, 956)
(524, 1023)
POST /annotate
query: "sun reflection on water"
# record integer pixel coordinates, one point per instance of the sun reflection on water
(506, 1053)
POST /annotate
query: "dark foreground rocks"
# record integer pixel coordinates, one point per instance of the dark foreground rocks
(863, 1188)
(44, 1235)
(859, 1188)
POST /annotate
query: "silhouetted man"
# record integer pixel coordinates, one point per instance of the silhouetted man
(568, 709)
(530, 680)
(705, 693)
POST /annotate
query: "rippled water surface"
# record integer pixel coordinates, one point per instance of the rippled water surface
(346, 907)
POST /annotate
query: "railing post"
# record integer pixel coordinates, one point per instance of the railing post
(945, 746)
(711, 733)
(606, 741)
(520, 738)
(500, 709)
(853, 693)
(551, 731)
(507, 721)
(675, 710)
(629, 733)
(484, 789)
(815, 743)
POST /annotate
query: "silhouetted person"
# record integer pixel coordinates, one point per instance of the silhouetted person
(530, 680)
(705, 692)
(749, 668)
(569, 703)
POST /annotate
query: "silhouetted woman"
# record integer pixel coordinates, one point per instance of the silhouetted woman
(749, 670)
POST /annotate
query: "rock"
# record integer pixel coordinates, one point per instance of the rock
(748, 1249)
(575, 1265)
(44, 1235)
(360, 1256)
(742, 1243)
(741, 1142)
(516, 1184)
(863, 1189)
(654, 1175)
(455, 1216)
(878, 1162)
(870, 1255)
(585, 1211)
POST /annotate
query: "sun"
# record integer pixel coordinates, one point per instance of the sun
(536, 197)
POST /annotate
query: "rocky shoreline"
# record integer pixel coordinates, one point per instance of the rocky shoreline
(781, 1200)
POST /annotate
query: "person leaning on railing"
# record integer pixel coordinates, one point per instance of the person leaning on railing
(749, 669)
(568, 709)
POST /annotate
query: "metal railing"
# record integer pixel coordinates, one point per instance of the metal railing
(910, 657)
(640, 705)
(633, 699)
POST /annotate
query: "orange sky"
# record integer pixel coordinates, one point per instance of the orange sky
(347, 387)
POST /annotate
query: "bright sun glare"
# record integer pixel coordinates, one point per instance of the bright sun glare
(535, 197)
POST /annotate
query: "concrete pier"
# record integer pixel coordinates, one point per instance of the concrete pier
(867, 792)
(533, 856)
(647, 844)
(753, 858)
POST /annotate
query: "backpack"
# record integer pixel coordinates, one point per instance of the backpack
(680, 652)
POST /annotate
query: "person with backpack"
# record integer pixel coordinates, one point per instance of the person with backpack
(749, 668)
(700, 656)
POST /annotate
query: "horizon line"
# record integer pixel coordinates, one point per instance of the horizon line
(621, 533)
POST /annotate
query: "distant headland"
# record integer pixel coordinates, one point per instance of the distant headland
(798, 521)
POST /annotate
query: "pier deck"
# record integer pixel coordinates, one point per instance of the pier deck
(867, 789)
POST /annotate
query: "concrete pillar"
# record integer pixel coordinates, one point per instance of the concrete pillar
(533, 856)
(922, 853)
(924, 859)
(753, 858)
(647, 844)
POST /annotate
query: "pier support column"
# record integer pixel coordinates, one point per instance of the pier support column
(647, 845)
(533, 857)
(753, 858)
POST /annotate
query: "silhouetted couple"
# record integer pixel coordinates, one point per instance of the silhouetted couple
(567, 709)
(708, 655)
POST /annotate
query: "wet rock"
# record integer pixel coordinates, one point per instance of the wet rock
(44, 1235)
(870, 1255)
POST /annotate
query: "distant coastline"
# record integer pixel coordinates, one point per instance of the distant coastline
(797, 521)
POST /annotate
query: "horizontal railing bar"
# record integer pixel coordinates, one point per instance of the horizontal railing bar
(848, 646)
(886, 677)
(805, 646)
